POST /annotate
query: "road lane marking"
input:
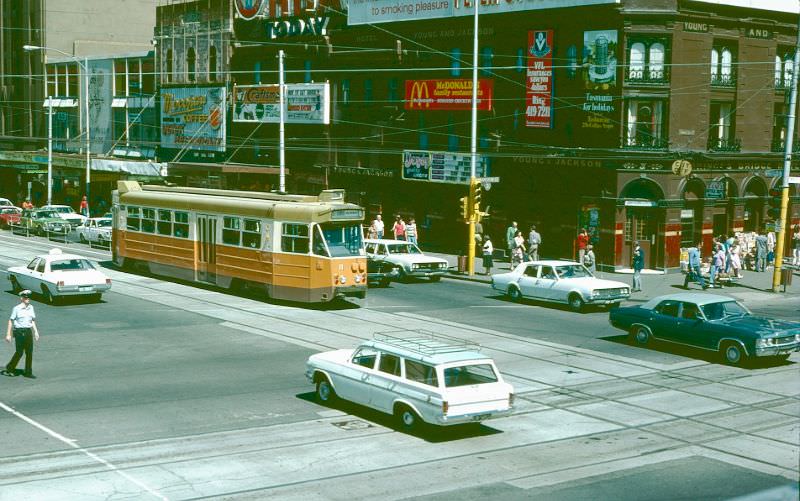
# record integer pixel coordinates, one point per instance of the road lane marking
(72, 443)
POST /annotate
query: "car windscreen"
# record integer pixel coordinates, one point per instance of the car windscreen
(343, 239)
(71, 265)
(716, 311)
(104, 223)
(45, 214)
(403, 249)
(467, 375)
(10, 211)
(64, 210)
(572, 271)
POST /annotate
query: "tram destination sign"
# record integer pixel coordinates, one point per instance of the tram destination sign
(442, 166)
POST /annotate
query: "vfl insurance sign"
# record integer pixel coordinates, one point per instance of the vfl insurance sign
(248, 9)
(451, 94)
(539, 94)
(193, 118)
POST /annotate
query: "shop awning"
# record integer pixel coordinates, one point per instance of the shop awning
(225, 168)
(61, 102)
(145, 168)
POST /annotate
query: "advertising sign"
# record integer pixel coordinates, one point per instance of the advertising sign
(248, 9)
(305, 103)
(100, 97)
(600, 59)
(193, 118)
(442, 166)
(539, 93)
(387, 11)
(450, 94)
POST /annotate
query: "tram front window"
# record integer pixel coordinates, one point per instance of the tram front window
(343, 239)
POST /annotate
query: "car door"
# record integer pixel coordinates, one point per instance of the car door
(691, 327)
(353, 383)
(664, 321)
(25, 279)
(38, 276)
(528, 279)
(385, 382)
(547, 284)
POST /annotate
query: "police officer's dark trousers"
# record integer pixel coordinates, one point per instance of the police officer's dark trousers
(24, 342)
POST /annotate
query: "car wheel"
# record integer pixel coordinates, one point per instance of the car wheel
(515, 294)
(733, 354)
(435, 278)
(641, 335)
(782, 358)
(613, 306)
(325, 392)
(407, 418)
(402, 277)
(14, 284)
(576, 302)
(384, 282)
(96, 298)
(48, 296)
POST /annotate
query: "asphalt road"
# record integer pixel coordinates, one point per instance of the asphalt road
(168, 391)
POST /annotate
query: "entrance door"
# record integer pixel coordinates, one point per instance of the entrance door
(642, 226)
(207, 248)
(720, 224)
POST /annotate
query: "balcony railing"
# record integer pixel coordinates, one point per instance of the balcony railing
(645, 143)
(779, 146)
(650, 76)
(726, 80)
(782, 84)
(720, 144)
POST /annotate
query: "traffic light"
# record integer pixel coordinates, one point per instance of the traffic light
(774, 202)
(465, 208)
(475, 198)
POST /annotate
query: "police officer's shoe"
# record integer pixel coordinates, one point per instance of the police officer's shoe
(9, 372)
(29, 375)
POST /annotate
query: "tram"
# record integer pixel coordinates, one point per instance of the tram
(292, 247)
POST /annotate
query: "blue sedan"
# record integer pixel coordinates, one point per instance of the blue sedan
(710, 322)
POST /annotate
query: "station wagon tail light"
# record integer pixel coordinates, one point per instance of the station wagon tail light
(108, 281)
(445, 407)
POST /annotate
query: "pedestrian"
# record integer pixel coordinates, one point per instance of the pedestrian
(399, 228)
(22, 324)
(84, 210)
(694, 273)
(582, 242)
(378, 225)
(736, 259)
(411, 231)
(27, 204)
(511, 232)
(488, 252)
(761, 252)
(478, 233)
(717, 264)
(589, 260)
(372, 233)
(638, 266)
(534, 239)
(770, 247)
(728, 246)
(796, 246)
(518, 252)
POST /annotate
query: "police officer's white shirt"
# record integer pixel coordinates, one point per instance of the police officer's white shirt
(22, 316)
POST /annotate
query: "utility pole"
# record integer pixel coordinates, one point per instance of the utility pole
(49, 150)
(88, 142)
(787, 169)
(473, 145)
(282, 100)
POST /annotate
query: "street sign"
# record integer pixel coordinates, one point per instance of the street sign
(794, 179)
(488, 179)
(773, 172)
(715, 189)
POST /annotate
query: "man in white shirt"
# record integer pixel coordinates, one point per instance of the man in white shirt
(22, 324)
(378, 225)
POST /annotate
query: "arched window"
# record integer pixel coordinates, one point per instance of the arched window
(778, 71)
(169, 65)
(656, 68)
(487, 60)
(212, 64)
(191, 60)
(788, 70)
(636, 63)
(727, 64)
(714, 64)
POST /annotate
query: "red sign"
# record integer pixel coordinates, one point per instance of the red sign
(452, 94)
(539, 94)
(249, 9)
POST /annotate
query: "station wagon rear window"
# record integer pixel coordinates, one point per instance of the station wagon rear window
(467, 375)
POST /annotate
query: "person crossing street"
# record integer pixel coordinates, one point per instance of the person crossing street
(694, 274)
(22, 324)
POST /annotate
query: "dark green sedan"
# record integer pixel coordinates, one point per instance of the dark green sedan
(40, 221)
(710, 322)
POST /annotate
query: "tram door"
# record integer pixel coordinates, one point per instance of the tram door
(207, 248)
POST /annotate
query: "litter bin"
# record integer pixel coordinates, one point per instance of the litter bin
(786, 277)
(462, 264)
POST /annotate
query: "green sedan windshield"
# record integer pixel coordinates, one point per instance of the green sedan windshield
(716, 311)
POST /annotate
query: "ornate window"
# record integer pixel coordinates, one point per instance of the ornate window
(647, 60)
(722, 127)
(723, 73)
(644, 124)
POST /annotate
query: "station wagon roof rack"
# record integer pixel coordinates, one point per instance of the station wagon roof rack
(425, 342)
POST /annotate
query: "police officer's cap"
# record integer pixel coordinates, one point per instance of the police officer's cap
(25, 293)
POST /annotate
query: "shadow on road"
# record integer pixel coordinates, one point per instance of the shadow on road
(589, 308)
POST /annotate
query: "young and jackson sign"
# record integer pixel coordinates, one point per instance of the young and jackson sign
(539, 93)
(451, 94)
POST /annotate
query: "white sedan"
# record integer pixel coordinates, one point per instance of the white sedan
(68, 214)
(95, 230)
(410, 261)
(57, 274)
(560, 281)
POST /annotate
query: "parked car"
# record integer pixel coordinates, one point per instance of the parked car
(410, 261)
(56, 274)
(95, 230)
(9, 215)
(40, 221)
(4, 202)
(710, 322)
(68, 214)
(562, 282)
(381, 272)
(417, 377)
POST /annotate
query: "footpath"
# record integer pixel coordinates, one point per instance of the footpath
(753, 286)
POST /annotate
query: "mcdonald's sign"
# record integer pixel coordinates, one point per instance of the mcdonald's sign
(449, 94)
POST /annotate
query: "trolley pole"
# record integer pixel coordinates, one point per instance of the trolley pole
(783, 222)
(473, 145)
(282, 99)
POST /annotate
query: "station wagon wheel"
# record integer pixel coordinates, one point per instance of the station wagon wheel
(641, 335)
(407, 418)
(575, 302)
(515, 294)
(733, 353)
(325, 392)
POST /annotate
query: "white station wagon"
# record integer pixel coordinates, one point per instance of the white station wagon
(417, 377)
(410, 261)
(560, 281)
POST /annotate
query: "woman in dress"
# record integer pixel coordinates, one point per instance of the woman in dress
(736, 259)
(519, 250)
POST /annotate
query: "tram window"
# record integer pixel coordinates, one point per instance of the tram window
(232, 231)
(294, 238)
(164, 226)
(134, 218)
(251, 237)
(319, 243)
(148, 220)
(181, 226)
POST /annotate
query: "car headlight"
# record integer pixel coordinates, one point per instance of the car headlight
(595, 293)
(414, 266)
(625, 290)
(797, 338)
(763, 343)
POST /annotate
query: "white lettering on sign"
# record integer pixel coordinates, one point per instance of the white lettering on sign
(315, 26)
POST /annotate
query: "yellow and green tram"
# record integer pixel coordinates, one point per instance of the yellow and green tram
(293, 247)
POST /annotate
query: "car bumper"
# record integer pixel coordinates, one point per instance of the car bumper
(607, 300)
(450, 420)
(80, 290)
(774, 351)
(426, 273)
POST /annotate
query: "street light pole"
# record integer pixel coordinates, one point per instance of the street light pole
(473, 145)
(49, 150)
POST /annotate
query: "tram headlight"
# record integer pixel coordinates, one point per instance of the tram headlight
(342, 279)
(358, 278)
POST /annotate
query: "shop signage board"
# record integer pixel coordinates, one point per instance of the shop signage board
(715, 189)
(773, 173)
(539, 93)
(193, 118)
(307, 103)
(441, 166)
(448, 94)
(389, 11)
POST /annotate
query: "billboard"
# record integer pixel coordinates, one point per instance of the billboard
(600, 59)
(442, 166)
(305, 103)
(389, 11)
(193, 118)
(450, 94)
(539, 93)
(100, 110)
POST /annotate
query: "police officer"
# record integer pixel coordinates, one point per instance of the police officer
(22, 324)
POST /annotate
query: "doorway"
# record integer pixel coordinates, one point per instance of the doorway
(207, 248)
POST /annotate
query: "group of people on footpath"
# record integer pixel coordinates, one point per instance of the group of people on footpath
(400, 229)
(101, 207)
(22, 329)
